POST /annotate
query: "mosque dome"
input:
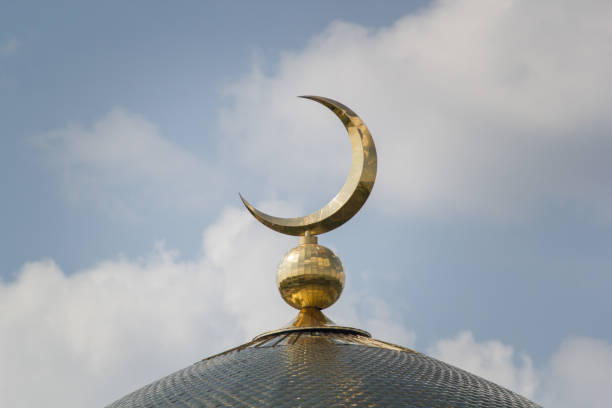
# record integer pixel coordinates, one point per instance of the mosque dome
(321, 368)
(313, 362)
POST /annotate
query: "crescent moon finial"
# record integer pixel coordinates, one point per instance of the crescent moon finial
(353, 194)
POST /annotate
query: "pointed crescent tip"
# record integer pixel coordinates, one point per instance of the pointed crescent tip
(247, 205)
(244, 201)
(312, 97)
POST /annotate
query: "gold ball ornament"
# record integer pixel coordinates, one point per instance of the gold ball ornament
(310, 275)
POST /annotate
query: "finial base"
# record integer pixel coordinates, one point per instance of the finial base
(311, 319)
(308, 239)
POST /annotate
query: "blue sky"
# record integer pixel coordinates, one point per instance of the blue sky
(127, 131)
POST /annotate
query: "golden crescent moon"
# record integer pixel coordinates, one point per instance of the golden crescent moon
(353, 194)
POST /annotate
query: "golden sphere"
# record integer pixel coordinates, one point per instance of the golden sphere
(310, 275)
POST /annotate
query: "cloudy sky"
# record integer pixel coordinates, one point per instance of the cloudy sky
(127, 130)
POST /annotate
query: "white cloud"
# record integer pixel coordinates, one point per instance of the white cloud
(87, 338)
(9, 46)
(492, 360)
(124, 165)
(475, 106)
(579, 374)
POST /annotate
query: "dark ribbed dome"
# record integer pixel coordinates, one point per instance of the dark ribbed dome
(321, 368)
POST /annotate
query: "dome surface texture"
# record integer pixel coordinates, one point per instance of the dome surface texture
(321, 368)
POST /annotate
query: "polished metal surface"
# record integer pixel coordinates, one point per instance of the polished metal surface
(321, 369)
(311, 317)
(353, 194)
(310, 276)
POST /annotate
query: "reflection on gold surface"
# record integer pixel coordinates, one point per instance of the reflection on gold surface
(310, 276)
(311, 317)
(353, 194)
